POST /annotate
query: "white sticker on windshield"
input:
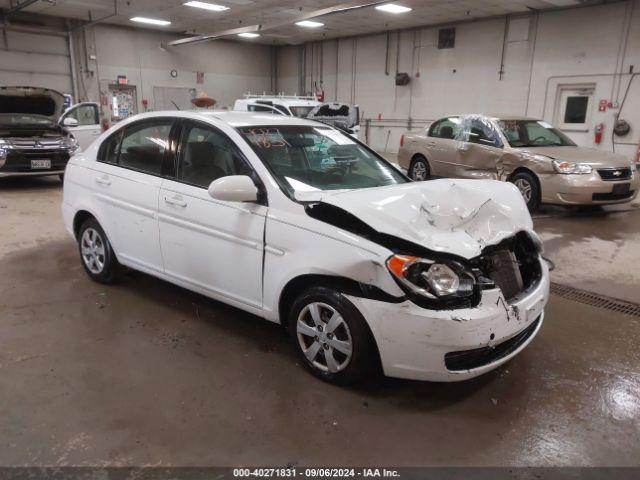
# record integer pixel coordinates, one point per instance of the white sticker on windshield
(544, 124)
(336, 136)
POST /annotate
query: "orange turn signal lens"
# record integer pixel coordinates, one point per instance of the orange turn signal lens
(398, 263)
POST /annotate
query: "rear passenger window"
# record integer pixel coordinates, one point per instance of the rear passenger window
(144, 145)
(446, 128)
(207, 155)
(110, 148)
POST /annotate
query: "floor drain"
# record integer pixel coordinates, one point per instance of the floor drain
(595, 300)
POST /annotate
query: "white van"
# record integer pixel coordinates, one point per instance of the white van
(291, 106)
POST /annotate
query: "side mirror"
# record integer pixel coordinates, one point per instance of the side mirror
(70, 122)
(234, 188)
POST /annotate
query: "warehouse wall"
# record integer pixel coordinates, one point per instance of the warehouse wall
(542, 53)
(230, 68)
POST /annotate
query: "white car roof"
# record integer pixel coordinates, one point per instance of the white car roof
(232, 118)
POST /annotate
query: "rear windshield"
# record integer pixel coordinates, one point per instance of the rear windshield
(306, 158)
(301, 112)
(533, 133)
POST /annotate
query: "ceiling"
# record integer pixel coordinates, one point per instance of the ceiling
(243, 13)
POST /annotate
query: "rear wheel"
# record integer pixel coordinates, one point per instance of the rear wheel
(419, 169)
(331, 337)
(96, 254)
(528, 186)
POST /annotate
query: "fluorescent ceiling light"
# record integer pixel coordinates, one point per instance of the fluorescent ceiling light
(151, 21)
(393, 8)
(206, 6)
(309, 24)
(248, 35)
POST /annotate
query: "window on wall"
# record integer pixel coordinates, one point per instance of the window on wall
(574, 108)
(446, 38)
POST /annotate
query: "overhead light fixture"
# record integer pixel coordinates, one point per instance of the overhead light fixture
(248, 35)
(206, 6)
(309, 24)
(151, 21)
(393, 8)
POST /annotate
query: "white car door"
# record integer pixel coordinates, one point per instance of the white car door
(209, 245)
(126, 184)
(86, 127)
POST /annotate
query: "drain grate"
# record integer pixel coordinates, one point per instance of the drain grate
(595, 299)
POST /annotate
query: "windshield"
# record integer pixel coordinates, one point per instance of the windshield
(300, 112)
(305, 159)
(533, 133)
(18, 119)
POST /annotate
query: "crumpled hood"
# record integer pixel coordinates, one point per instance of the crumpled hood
(32, 100)
(460, 217)
(592, 156)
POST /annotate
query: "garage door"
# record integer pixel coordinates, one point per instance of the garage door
(36, 60)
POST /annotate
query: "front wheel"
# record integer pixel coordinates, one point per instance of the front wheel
(331, 337)
(529, 189)
(96, 253)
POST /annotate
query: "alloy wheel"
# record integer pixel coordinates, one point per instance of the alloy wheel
(419, 171)
(93, 250)
(324, 337)
(525, 188)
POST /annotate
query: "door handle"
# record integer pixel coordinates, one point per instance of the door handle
(103, 181)
(177, 201)
(96, 133)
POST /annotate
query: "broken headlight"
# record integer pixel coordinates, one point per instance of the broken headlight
(71, 144)
(571, 167)
(446, 282)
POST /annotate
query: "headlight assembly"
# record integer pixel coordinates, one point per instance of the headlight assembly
(571, 167)
(71, 144)
(440, 284)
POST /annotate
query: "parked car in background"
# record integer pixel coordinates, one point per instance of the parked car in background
(292, 105)
(32, 141)
(545, 165)
(301, 224)
(341, 115)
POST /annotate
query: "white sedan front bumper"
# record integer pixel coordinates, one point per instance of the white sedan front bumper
(414, 341)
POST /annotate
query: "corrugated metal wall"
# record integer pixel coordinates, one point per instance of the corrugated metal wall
(33, 59)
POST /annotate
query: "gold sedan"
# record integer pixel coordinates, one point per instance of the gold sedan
(545, 165)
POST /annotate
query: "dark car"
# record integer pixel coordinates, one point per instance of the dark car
(32, 142)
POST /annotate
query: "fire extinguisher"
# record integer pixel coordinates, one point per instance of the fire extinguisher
(598, 133)
(319, 92)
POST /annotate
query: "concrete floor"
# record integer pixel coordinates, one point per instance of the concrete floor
(146, 373)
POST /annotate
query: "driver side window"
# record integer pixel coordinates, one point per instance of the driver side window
(480, 132)
(206, 155)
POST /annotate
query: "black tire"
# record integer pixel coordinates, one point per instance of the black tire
(107, 268)
(419, 170)
(526, 182)
(363, 362)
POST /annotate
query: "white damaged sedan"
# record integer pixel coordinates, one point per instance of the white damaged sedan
(296, 222)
